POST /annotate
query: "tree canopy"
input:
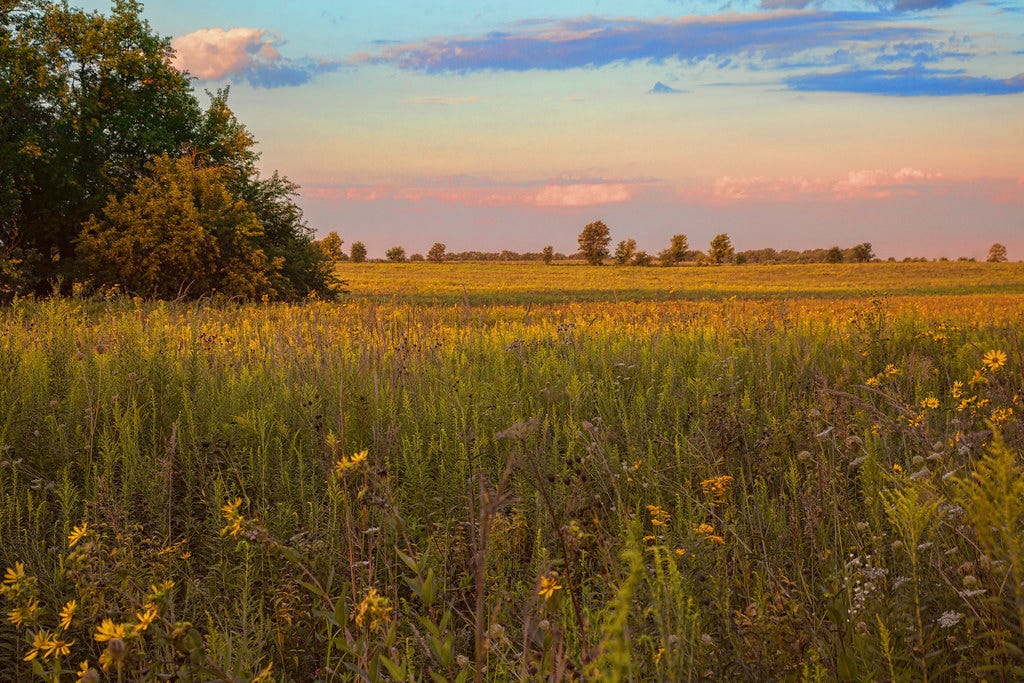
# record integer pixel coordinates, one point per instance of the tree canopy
(594, 241)
(89, 105)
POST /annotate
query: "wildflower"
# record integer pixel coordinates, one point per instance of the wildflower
(930, 403)
(145, 618)
(345, 465)
(897, 468)
(373, 611)
(993, 360)
(86, 674)
(56, 647)
(548, 585)
(1001, 415)
(891, 370)
(705, 529)
(15, 574)
(957, 390)
(78, 533)
(659, 517)
(67, 613)
(235, 522)
(680, 552)
(108, 631)
(24, 614)
(716, 488)
(40, 642)
(949, 619)
(872, 381)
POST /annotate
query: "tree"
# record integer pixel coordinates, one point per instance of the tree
(594, 241)
(641, 258)
(834, 255)
(624, 251)
(358, 252)
(93, 99)
(676, 251)
(862, 253)
(330, 247)
(997, 253)
(721, 249)
(436, 253)
(548, 255)
(395, 254)
(179, 231)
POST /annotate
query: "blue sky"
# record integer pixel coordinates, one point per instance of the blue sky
(491, 125)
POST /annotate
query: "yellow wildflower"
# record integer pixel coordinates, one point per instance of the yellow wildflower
(930, 403)
(14, 574)
(345, 465)
(716, 487)
(25, 614)
(78, 533)
(67, 613)
(705, 529)
(145, 618)
(548, 585)
(872, 381)
(235, 522)
(993, 360)
(897, 468)
(55, 647)
(83, 672)
(373, 611)
(659, 517)
(680, 551)
(957, 390)
(108, 630)
(40, 641)
(891, 370)
(1001, 415)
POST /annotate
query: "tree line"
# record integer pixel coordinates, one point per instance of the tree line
(113, 175)
(594, 248)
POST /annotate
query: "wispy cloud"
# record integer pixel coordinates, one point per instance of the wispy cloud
(595, 41)
(244, 54)
(867, 184)
(477, 192)
(444, 101)
(910, 82)
(662, 89)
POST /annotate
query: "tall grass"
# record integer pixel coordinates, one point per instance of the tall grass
(740, 488)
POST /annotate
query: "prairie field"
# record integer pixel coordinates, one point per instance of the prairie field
(522, 472)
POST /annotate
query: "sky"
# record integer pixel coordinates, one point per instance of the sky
(490, 125)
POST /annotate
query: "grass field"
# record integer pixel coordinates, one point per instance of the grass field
(520, 472)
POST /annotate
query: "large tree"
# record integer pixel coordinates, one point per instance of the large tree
(676, 251)
(997, 253)
(594, 241)
(97, 99)
(87, 102)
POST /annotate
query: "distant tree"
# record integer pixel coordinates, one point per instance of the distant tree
(741, 259)
(997, 253)
(330, 247)
(834, 255)
(548, 255)
(180, 230)
(395, 254)
(358, 252)
(417, 257)
(676, 251)
(624, 252)
(594, 241)
(862, 253)
(641, 258)
(436, 253)
(721, 249)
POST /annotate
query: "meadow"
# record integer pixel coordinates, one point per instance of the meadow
(521, 472)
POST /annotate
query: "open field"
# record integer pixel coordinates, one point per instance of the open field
(523, 473)
(525, 283)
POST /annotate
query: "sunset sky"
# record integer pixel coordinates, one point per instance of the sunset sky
(489, 125)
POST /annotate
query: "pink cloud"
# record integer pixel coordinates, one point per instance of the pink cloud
(551, 195)
(211, 54)
(584, 194)
(861, 184)
(879, 184)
